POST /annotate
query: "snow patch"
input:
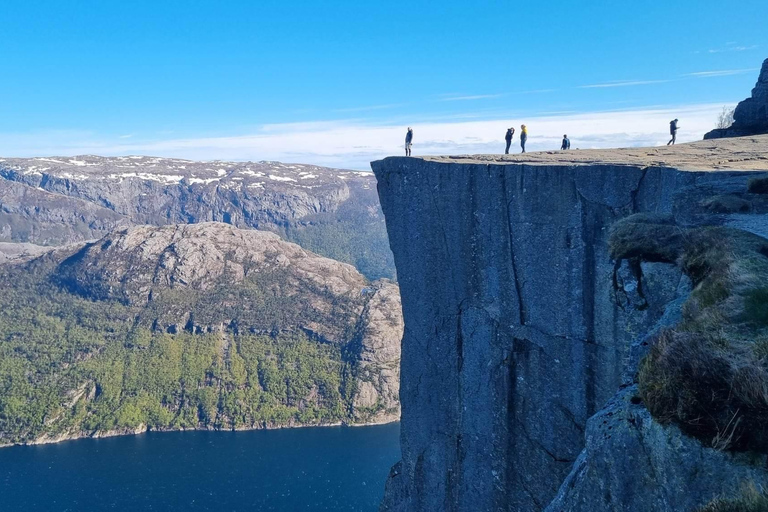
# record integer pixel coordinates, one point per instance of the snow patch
(50, 160)
(254, 174)
(163, 178)
(280, 178)
(201, 180)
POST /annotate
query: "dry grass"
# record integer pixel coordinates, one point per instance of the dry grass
(709, 374)
(750, 499)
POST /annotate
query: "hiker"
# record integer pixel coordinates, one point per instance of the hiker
(508, 138)
(523, 136)
(566, 143)
(672, 131)
(408, 141)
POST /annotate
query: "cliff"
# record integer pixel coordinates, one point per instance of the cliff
(751, 115)
(520, 327)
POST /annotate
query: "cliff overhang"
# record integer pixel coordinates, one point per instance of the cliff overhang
(520, 328)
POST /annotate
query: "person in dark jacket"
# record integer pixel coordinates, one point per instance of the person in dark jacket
(408, 141)
(672, 132)
(566, 143)
(508, 138)
(523, 136)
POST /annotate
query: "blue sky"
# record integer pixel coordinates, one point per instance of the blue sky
(336, 82)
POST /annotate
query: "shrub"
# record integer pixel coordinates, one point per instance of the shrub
(750, 499)
(727, 203)
(758, 186)
(714, 389)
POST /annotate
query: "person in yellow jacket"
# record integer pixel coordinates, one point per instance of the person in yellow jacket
(523, 136)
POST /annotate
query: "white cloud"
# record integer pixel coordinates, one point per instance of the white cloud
(623, 83)
(724, 72)
(353, 144)
(730, 47)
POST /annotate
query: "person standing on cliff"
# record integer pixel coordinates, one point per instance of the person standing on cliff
(523, 136)
(508, 138)
(672, 132)
(566, 143)
(408, 141)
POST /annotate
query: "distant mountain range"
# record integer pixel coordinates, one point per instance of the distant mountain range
(59, 200)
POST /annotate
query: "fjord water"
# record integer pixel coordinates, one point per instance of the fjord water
(328, 468)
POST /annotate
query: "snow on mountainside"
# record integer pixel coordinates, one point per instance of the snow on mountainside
(333, 212)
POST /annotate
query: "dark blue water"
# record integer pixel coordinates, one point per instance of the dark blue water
(332, 468)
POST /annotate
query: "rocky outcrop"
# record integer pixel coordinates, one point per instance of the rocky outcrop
(632, 463)
(378, 369)
(751, 115)
(19, 252)
(333, 212)
(519, 327)
(30, 214)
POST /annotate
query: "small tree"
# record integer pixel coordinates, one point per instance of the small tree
(725, 119)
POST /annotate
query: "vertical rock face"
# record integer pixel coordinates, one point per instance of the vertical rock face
(517, 323)
(751, 115)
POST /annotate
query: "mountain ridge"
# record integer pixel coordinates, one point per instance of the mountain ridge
(333, 212)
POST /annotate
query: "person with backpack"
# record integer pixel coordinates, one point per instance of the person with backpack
(523, 136)
(508, 138)
(566, 143)
(408, 141)
(673, 131)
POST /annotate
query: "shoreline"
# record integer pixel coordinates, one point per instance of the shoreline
(143, 430)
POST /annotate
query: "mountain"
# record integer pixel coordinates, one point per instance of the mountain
(336, 213)
(191, 326)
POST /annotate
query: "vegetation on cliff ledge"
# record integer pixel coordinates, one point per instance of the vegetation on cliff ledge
(708, 374)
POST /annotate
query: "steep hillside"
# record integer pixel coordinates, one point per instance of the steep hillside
(528, 311)
(333, 212)
(191, 326)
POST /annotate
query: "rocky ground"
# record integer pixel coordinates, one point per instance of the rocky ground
(742, 153)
